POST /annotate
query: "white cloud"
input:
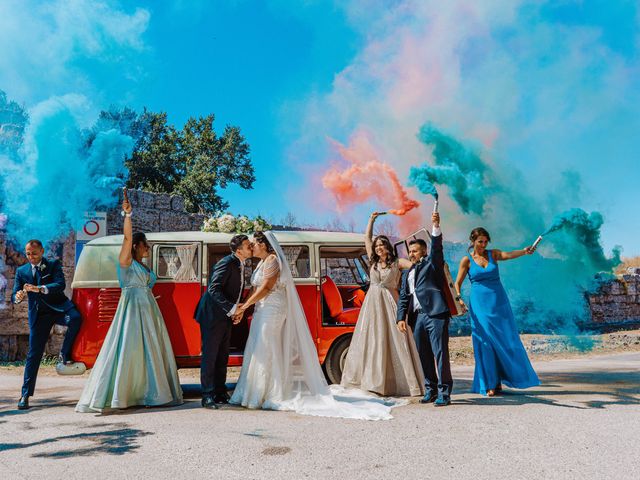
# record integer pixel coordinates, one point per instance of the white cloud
(43, 43)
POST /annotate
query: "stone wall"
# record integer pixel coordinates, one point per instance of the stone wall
(152, 213)
(617, 304)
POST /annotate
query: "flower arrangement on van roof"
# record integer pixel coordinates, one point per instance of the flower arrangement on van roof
(228, 223)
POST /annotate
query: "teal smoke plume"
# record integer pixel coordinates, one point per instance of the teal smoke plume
(457, 166)
(547, 290)
(583, 229)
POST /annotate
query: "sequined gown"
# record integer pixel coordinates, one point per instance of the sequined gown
(381, 359)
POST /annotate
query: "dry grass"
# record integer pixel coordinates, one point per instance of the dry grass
(627, 263)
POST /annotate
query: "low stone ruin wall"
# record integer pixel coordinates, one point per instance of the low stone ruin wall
(617, 304)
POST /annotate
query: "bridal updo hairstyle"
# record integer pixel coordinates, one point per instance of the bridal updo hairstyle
(136, 239)
(261, 238)
(391, 252)
(475, 234)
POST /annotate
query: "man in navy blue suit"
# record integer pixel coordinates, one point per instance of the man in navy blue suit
(422, 302)
(42, 283)
(216, 315)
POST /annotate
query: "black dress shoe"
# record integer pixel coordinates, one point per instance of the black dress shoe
(429, 398)
(222, 398)
(23, 404)
(207, 402)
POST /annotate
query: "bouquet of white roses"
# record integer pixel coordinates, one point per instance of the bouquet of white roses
(260, 224)
(227, 223)
(243, 225)
(210, 225)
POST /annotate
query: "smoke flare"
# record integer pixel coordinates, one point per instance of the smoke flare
(366, 178)
(456, 166)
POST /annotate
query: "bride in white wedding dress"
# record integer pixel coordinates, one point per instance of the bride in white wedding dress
(280, 370)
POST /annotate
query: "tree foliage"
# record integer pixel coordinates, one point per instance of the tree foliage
(194, 162)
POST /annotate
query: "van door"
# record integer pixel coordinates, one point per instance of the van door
(177, 290)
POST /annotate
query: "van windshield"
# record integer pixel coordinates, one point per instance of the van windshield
(345, 265)
(97, 266)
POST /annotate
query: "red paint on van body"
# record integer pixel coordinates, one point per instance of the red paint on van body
(177, 302)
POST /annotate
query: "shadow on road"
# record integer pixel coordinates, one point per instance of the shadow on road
(8, 405)
(115, 439)
(579, 390)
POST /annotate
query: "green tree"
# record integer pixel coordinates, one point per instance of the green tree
(193, 162)
(210, 162)
(155, 164)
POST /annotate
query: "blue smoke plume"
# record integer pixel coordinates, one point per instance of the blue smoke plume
(53, 170)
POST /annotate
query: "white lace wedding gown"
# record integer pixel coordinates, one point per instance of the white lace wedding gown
(280, 370)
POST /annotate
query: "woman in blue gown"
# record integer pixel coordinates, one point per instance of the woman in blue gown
(136, 365)
(499, 354)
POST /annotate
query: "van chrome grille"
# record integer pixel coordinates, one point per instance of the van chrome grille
(108, 299)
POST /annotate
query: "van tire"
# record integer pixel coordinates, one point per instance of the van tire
(334, 360)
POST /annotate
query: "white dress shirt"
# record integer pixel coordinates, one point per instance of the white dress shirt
(45, 290)
(411, 278)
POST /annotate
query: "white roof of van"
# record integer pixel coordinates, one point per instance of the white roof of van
(302, 236)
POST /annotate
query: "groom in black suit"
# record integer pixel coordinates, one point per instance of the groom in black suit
(422, 302)
(216, 315)
(42, 283)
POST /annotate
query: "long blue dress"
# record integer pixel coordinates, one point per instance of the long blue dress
(499, 354)
(136, 365)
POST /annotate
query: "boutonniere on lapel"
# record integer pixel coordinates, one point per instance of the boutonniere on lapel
(42, 267)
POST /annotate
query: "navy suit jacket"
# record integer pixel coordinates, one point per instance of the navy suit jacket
(223, 291)
(429, 280)
(50, 276)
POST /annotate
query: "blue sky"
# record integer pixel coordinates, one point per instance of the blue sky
(546, 87)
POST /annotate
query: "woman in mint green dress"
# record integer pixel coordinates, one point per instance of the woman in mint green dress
(136, 365)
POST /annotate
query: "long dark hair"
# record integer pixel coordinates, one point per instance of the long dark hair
(475, 233)
(391, 252)
(262, 238)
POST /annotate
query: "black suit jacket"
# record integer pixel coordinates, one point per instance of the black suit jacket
(429, 280)
(49, 275)
(223, 291)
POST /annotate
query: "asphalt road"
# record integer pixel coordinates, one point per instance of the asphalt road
(583, 422)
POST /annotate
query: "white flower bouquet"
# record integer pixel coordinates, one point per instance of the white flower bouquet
(227, 223)
(260, 224)
(244, 225)
(210, 225)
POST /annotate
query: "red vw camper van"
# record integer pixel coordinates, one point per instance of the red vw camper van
(330, 270)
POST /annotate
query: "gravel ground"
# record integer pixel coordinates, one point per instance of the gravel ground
(582, 422)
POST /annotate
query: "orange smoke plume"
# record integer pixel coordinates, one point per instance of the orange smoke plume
(366, 178)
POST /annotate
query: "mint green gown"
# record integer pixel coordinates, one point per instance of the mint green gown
(135, 365)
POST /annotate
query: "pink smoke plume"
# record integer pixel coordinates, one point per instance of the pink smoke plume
(368, 178)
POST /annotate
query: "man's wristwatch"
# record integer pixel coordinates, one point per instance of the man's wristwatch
(125, 214)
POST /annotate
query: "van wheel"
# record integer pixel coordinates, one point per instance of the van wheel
(334, 362)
